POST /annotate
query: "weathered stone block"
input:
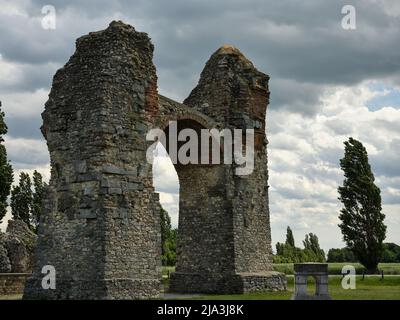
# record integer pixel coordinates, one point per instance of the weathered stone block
(86, 214)
(100, 227)
(80, 166)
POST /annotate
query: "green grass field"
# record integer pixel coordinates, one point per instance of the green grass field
(336, 268)
(371, 288)
(333, 268)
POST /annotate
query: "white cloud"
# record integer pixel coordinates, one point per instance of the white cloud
(170, 203)
(304, 158)
(166, 182)
(43, 170)
(391, 7)
(14, 8)
(24, 104)
(3, 225)
(26, 153)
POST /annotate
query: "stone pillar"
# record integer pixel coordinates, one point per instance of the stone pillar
(230, 230)
(100, 228)
(320, 273)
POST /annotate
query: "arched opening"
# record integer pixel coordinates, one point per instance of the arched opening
(203, 226)
(311, 286)
(166, 184)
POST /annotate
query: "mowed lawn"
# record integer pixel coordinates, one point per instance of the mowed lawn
(336, 268)
(369, 288)
(333, 268)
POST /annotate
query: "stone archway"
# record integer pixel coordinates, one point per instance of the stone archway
(204, 255)
(100, 226)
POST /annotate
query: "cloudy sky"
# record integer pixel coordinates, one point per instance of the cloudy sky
(327, 84)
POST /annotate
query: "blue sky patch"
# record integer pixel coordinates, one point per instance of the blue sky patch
(387, 97)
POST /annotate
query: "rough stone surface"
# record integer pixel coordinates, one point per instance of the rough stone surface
(229, 284)
(12, 283)
(267, 281)
(100, 227)
(16, 248)
(5, 264)
(224, 228)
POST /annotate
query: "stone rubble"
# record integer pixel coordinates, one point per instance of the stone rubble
(16, 248)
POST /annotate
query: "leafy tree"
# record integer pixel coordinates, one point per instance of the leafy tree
(341, 255)
(21, 199)
(288, 253)
(285, 253)
(391, 253)
(165, 225)
(26, 199)
(169, 257)
(168, 239)
(335, 255)
(279, 248)
(362, 221)
(312, 248)
(289, 237)
(6, 171)
(37, 198)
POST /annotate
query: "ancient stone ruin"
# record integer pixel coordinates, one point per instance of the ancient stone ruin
(101, 223)
(16, 248)
(16, 257)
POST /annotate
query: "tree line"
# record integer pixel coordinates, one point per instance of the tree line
(168, 240)
(27, 195)
(390, 254)
(287, 252)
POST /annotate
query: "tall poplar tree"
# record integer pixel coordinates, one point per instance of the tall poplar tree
(21, 199)
(362, 220)
(289, 237)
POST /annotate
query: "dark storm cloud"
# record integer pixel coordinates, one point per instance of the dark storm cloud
(302, 46)
(386, 163)
(28, 77)
(24, 41)
(25, 153)
(25, 127)
(288, 94)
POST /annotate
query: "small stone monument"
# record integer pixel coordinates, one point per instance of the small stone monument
(320, 273)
